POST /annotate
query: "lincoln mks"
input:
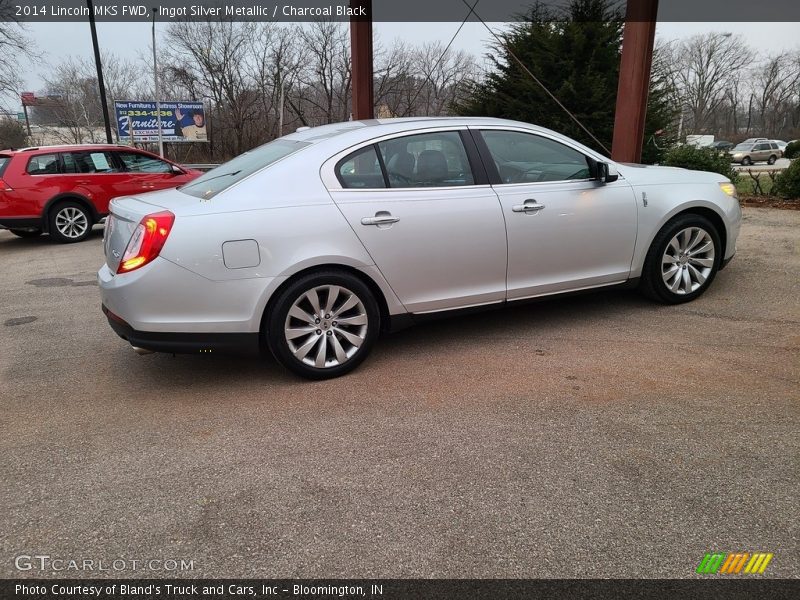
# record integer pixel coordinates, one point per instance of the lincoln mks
(311, 245)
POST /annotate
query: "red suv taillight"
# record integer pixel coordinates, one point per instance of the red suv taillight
(147, 241)
(4, 187)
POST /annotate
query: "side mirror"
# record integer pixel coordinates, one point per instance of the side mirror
(605, 172)
(176, 170)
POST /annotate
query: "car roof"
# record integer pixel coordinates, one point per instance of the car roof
(354, 132)
(398, 124)
(68, 147)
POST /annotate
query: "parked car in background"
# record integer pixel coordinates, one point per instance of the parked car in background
(64, 190)
(781, 145)
(749, 152)
(722, 145)
(313, 243)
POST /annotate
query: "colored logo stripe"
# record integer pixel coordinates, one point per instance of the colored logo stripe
(732, 563)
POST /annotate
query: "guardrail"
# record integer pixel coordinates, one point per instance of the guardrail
(202, 166)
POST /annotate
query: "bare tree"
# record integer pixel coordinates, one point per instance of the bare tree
(214, 54)
(776, 84)
(14, 46)
(74, 111)
(324, 82)
(705, 65)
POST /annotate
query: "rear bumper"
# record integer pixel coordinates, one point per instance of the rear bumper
(184, 343)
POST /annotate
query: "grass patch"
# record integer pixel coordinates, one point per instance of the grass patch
(746, 186)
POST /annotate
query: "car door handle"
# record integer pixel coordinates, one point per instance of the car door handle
(529, 206)
(380, 218)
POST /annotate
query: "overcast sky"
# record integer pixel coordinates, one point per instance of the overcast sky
(56, 40)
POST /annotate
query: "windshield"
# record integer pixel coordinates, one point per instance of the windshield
(224, 176)
(743, 147)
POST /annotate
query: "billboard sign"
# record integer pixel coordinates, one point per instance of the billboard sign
(137, 121)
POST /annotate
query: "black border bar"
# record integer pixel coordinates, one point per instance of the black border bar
(417, 11)
(718, 587)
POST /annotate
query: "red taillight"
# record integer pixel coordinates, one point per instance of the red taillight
(147, 241)
(4, 187)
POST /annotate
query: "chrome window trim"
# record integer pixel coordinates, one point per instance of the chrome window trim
(328, 169)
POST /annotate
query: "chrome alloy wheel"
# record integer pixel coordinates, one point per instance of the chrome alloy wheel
(688, 260)
(71, 222)
(326, 326)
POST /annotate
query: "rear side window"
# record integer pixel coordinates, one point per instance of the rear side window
(224, 176)
(3, 162)
(142, 163)
(89, 162)
(43, 164)
(361, 170)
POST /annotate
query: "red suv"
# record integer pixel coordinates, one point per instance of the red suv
(64, 190)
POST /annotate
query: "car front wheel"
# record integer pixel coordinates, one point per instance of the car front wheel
(70, 222)
(682, 261)
(772, 160)
(323, 325)
(746, 161)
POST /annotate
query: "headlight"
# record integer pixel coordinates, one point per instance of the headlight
(729, 189)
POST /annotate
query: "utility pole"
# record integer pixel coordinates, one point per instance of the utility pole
(361, 57)
(634, 80)
(157, 88)
(98, 64)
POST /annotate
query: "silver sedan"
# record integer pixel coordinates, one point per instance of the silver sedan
(314, 243)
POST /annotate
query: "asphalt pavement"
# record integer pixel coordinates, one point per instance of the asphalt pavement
(595, 436)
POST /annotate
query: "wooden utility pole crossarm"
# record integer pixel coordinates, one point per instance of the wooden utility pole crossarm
(634, 80)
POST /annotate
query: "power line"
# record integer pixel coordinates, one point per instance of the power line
(438, 62)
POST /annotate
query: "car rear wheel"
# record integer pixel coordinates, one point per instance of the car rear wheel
(26, 233)
(772, 159)
(323, 325)
(746, 161)
(682, 261)
(70, 222)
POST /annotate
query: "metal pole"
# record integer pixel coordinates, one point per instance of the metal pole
(361, 57)
(27, 122)
(99, 66)
(158, 91)
(210, 127)
(281, 100)
(634, 80)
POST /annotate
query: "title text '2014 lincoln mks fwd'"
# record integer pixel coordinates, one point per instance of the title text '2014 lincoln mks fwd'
(313, 243)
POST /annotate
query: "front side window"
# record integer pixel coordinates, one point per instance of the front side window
(44, 164)
(361, 170)
(224, 176)
(426, 160)
(142, 163)
(528, 158)
(88, 162)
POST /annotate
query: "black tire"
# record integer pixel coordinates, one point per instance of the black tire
(772, 159)
(652, 282)
(746, 161)
(279, 320)
(26, 233)
(62, 234)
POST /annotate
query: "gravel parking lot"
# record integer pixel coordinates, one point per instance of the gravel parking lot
(597, 436)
